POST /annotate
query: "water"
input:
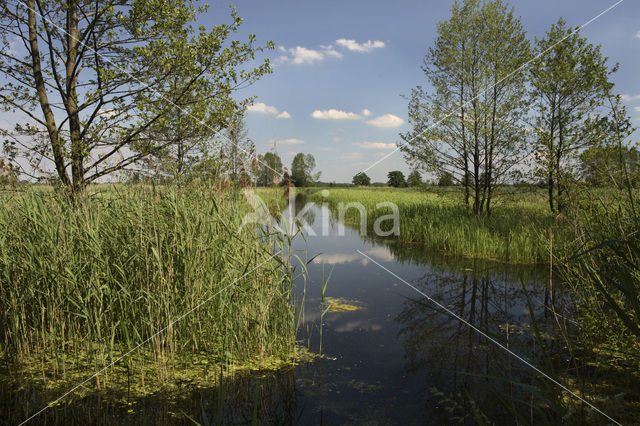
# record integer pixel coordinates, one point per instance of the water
(396, 359)
(400, 359)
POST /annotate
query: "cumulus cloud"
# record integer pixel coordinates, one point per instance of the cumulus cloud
(262, 108)
(334, 114)
(304, 55)
(291, 141)
(630, 98)
(386, 121)
(330, 51)
(354, 46)
(375, 145)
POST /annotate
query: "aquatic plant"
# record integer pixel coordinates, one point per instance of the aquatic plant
(517, 231)
(84, 281)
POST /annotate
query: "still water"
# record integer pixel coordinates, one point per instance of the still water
(389, 355)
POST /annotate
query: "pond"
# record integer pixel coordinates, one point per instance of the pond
(389, 354)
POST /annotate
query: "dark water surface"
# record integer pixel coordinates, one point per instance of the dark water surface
(401, 359)
(397, 359)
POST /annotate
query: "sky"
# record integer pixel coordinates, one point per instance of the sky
(341, 69)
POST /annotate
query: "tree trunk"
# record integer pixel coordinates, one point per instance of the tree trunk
(52, 130)
(71, 103)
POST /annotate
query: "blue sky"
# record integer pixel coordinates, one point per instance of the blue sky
(341, 68)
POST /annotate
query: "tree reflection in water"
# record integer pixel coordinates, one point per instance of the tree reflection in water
(470, 377)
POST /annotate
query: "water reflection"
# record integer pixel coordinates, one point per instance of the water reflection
(397, 359)
(470, 377)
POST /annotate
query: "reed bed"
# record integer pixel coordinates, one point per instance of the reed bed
(83, 282)
(517, 231)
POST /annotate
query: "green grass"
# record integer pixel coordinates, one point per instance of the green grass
(517, 231)
(82, 283)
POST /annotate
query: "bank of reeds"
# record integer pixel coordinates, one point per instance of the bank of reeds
(83, 282)
(517, 231)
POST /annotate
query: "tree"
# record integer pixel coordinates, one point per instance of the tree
(602, 165)
(445, 179)
(269, 169)
(414, 179)
(472, 123)
(237, 151)
(569, 81)
(302, 170)
(361, 179)
(109, 76)
(396, 179)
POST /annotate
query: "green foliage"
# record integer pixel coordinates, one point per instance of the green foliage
(601, 165)
(482, 45)
(414, 179)
(516, 232)
(396, 179)
(132, 80)
(445, 179)
(570, 81)
(237, 153)
(361, 179)
(302, 168)
(269, 169)
(97, 276)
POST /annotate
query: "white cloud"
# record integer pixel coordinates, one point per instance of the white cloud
(334, 114)
(375, 145)
(636, 109)
(263, 108)
(630, 98)
(291, 141)
(330, 51)
(366, 112)
(637, 35)
(386, 121)
(354, 46)
(303, 55)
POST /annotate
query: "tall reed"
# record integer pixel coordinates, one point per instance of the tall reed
(515, 232)
(84, 281)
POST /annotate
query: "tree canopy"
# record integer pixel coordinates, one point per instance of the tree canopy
(361, 179)
(302, 170)
(102, 84)
(396, 179)
(414, 179)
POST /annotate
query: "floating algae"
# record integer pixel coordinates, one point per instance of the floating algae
(339, 304)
